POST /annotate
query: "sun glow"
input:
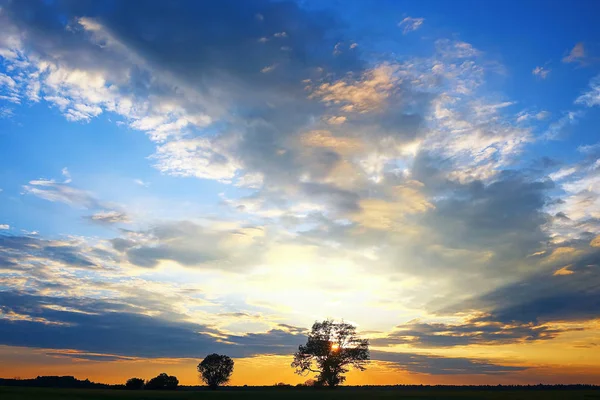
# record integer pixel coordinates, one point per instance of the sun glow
(335, 347)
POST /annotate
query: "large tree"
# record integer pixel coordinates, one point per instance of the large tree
(331, 350)
(215, 370)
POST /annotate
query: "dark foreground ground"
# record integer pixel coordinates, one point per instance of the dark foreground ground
(14, 393)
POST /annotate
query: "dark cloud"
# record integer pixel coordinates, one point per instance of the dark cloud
(100, 327)
(15, 250)
(506, 214)
(544, 297)
(87, 357)
(427, 364)
(430, 335)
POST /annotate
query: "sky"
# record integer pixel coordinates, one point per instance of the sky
(179, 178)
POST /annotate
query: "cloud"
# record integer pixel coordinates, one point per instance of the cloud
(49, 189)
(546, 296)
(456, 49)
(409, 24)
(193, 245)
(541, 72)
(22, 252)
(366, 95)
(472, 332)
(110, 217)
(576, 55)
(435, 365)
(592, 96)
(141, 183)
(525, 116)
(53, 191)
(67, 175)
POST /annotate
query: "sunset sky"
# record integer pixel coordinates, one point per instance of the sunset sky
(179, 178)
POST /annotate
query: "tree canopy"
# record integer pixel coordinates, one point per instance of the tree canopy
(162, 382)
(215, 370)
(331, 350)
(135, 383)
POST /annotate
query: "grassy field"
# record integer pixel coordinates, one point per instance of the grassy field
(15, 393)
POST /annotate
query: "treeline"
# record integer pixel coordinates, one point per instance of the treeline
(54, 382)
(160, 382)
(168, 382)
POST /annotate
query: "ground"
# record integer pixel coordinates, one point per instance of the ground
(14, 393)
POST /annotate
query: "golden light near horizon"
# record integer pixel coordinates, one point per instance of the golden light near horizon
(335, 347)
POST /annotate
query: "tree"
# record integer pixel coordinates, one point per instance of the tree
(135, 383)
(332, 348)
(162, 382)
(215, 370)
(309, 383)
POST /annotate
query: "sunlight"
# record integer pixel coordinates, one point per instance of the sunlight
(335, 347)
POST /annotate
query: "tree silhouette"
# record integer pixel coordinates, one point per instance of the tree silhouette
(162, 382)
(215, 370)
(135, 383)
(333, 347)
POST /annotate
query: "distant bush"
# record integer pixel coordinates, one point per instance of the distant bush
(135, 384)
(162, 382)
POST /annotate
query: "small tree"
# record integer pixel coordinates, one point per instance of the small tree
(215, 370)
(333, 347)
(162, 382)
(135, 384)
(309, 383)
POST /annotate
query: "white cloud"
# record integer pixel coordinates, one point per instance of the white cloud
(409, 24)
(67, 175)
(141, 182)
(562, 173)
(541, 72)
(6, 112)
(250, 181)
(268, 68)
(50, 190)
(199, 157)
(4, 226)
(526, 116)
(592, 96)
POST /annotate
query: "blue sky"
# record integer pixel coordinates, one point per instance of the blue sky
(183, 165)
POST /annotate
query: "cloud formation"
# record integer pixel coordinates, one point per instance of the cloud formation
(410, 24)
(576, 55)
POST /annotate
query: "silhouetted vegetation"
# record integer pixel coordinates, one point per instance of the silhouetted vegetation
(162, 382)
(53, 382)
(135, 384)
(215, 370)
(333, 347)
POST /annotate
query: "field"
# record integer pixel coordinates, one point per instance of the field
(16, 393)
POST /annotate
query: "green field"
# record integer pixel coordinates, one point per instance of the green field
(15, 393)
